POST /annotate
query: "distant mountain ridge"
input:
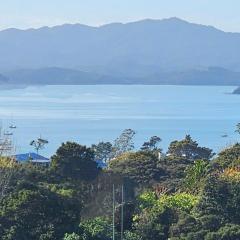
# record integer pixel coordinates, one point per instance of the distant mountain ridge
(145, 51)
(63, 76)
(51, 76)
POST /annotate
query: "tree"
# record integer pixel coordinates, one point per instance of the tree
(227, 232)
(103, 151)
(152, 144)
(8, 167)
(229, 157)
(124, 143)
(221, 197)
(72, 236)
(238, 128)
(75, 161)
(188, 149)
(160, 213)
(38, 144)
(98, 228)
(184, 224)
(181, 201)
(142, 167)
(195, 174)
(128, 235)
(154, 223)
(37, 214)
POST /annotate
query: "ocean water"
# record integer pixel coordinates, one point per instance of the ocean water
(89, 114)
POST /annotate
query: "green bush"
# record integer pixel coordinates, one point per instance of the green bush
(96, 229)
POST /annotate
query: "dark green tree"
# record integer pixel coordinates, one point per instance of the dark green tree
(189, 149)
(75, 161)
(98, 228)
(227, 232)
(229, 157)
(238, 128)
(152, 144)
(221, 197)
(103, 151)
(36, 214)
(154, 224)
(142, 166)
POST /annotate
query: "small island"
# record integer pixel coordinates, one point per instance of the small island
(237, 91)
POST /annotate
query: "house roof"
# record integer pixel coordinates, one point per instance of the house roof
(31, 156)
(101, 164)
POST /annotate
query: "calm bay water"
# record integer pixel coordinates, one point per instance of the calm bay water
(89, 114)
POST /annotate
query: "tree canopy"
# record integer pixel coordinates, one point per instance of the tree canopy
(103, 151)
(75, 161)
(37, 214)
(124, 143)
(139, 166)
(228, 157)
(152, 144)
(184, 194)
(189, 149)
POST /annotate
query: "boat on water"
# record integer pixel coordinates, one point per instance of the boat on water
(12, 126)
(7, 133)
(224, 135)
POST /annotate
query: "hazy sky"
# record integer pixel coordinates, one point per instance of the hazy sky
(224, 14)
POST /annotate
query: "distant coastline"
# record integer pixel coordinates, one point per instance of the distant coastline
(212, 76)
(237, 91)
(12, 86)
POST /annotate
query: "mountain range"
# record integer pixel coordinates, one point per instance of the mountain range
(168, 51)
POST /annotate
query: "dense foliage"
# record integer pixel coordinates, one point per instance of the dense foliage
(74, 161)
(189, 149)
(183, 194)
(142, 166)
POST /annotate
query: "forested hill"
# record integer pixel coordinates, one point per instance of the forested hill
(164, 51)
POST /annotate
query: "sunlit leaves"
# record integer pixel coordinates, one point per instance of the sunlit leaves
(195, 174)
(182, 201)
(231, 174)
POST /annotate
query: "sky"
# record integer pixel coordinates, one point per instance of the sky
(23, 14)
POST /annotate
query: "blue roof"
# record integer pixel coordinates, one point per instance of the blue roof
(101, 164)
(29, 156)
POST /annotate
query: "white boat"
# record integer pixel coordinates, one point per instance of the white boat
(8, 133)
(12, 126)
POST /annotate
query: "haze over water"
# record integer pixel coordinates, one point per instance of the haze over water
(89, 114)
